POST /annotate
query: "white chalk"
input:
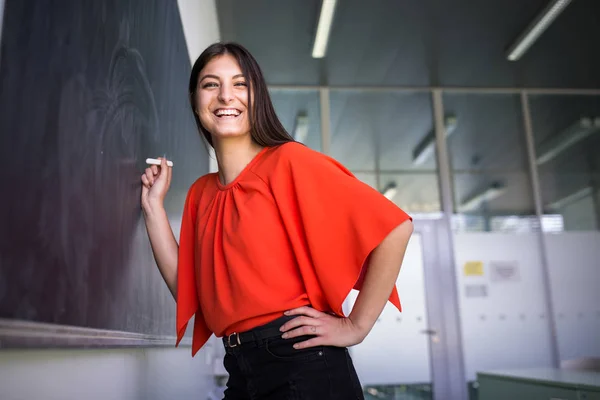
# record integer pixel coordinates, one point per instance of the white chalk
(154, 161)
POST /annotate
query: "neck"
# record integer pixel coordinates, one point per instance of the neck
(233, 155)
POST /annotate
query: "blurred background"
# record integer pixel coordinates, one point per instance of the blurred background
(480, 119)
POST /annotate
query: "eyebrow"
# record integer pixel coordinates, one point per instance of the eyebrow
(217, 78)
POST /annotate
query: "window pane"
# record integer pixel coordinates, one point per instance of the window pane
(352, 130)
(388, 137)
(417, 193)
(499, 268)
(567, 141)
(300, 114)
(489, 162)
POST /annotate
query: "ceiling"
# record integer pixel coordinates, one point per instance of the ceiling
(405, 43)
(417, 43)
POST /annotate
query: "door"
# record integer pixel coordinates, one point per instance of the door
(416, 354)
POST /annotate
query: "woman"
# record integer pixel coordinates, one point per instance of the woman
(271, 244)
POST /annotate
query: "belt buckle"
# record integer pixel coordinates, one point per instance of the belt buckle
(237, 340)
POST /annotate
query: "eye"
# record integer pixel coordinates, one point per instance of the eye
(240, 84)
(209, 85)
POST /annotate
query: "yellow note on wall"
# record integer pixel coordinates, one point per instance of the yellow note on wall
(473, 268)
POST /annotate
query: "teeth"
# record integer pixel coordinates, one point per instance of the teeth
(227, 112)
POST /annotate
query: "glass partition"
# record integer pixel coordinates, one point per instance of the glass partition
(488, 159)
(300, 114)
(387, 139)
(497, 246)
(566, 131)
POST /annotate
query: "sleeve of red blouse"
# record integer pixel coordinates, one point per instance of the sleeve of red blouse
(187, 295)
(334, 222)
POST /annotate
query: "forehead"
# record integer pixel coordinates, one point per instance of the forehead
(223, 66)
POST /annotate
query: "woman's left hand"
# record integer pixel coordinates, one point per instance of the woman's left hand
(330, 330)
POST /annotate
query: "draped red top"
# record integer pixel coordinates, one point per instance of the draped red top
(294, 228)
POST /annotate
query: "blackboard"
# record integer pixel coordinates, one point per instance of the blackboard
(88, 91)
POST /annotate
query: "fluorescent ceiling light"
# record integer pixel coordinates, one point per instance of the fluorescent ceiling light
(324, 28)
(580, 130)
(390, 190)
(301, 128)
(425, 148)
(536, 28)
(495, 190)
(570, 199)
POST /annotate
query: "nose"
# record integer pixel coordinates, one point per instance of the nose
(226, 94)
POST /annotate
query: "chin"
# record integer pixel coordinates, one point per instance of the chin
(230, 134)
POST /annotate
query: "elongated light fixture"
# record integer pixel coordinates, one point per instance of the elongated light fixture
(426, 148)
(324, 28)
(536, 28)
(492, 192)
(571, 198)
(577, 132)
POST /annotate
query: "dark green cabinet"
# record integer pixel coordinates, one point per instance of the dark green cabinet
(539, 384)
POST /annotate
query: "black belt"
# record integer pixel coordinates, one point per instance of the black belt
(267, 331)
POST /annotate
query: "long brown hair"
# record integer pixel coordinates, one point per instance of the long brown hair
(265, 127)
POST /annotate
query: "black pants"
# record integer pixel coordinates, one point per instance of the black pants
(271, 369)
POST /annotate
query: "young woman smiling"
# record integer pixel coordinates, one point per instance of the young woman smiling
(271, 244)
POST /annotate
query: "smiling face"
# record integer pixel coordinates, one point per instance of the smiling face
(222, 98)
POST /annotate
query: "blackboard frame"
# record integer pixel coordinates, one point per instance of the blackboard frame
(17, 334)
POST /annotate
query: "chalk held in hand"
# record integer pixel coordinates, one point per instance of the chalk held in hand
(154, 161)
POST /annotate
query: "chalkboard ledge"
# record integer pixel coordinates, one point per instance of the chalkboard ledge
(15, 334)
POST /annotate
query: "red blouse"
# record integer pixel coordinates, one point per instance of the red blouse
(294, 228)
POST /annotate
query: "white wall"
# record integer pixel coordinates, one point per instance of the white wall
(574, 265)
(200, 25)
(504, 321)
(508, 326)
(130, 374)
(144, 374)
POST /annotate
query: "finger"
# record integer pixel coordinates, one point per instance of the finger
(154, 169)
(298, 321)
(145, 181)
(169, 171)
(318, 341)
(166, 168)
(306, 330)
(150, 176)
(144, 192)
(311, 312)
